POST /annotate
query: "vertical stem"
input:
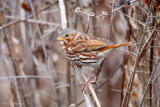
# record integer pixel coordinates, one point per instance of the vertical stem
(149, 81)
(68, 75)
(74, 87)
(139, 16)
(64, 9)
(151, 60)
(63, 14)
(111, 21)
(150, 72)
(68, 80)
(94, 8)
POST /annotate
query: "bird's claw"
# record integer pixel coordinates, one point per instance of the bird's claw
(86, 83)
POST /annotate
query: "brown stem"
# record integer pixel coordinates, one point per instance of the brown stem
(150, 71)
(68, 74)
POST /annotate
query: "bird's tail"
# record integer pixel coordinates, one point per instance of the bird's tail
(116, 46)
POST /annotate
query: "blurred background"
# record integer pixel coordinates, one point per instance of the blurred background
(34, 71)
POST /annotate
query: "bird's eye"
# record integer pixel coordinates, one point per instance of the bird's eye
(67, 35)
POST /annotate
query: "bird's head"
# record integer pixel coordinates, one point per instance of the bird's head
(67, 35)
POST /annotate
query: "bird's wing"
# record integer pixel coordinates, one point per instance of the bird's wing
(88, 45)
(94, 45)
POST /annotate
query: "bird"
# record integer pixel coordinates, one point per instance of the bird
(85, 50)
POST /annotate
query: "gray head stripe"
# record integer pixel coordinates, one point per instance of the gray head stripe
(67, 31)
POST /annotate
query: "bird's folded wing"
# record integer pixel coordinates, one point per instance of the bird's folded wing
(91, 45)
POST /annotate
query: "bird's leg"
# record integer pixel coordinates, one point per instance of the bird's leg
(97, 73)
(95, 78)
(87, 82)
(72, 64)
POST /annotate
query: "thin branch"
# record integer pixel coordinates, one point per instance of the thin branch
(111, 20)
(28, 76)
(34, 21)
(51, 79)
(149, 81)
(20, 95)
(129, 87)
(37, 12)
(137, 60)
(94, 8)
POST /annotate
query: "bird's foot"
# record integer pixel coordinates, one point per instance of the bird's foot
(84, 85)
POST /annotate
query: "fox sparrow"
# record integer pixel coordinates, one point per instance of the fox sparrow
(84, 50)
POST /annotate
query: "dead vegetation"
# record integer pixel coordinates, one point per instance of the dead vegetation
(34, 71)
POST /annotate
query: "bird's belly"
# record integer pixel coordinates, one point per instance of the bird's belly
(89, 59)
(89, 63)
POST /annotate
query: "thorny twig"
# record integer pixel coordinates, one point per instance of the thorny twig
(91, 14)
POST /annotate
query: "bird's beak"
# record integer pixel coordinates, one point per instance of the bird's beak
(60, 39)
